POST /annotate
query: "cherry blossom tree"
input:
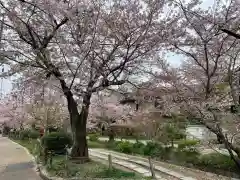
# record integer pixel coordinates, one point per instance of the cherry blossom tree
(12, 112)
(91, 53)
(106, 111)
(205, 83)
(108, 106)
(46, 114)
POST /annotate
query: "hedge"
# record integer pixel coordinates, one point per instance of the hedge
(56, 142)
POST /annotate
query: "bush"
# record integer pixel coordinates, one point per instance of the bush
(56, 141)
(217, 161)
(186, 156)
(187, 144)
(13, 134)
(113, 145)
(33, 134)
(125, 147)
(96, 144)
(93, 137)
(51, 129)
(6, 130)
(24, 134)
(138, 148)
(152, 149)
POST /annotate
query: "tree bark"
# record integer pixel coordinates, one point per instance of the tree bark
(228, 145)
(79, 128)
(78, 123)
(110, 135)
(231, 149)
(219, 139)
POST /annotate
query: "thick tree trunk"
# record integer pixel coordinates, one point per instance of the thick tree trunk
(79, 129)
(80, 148)
(228, 145)
(78, 123)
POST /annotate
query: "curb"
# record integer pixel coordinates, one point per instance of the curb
(40, 170)
(45, 176)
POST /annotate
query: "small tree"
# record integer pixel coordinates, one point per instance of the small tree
(210, 57)
(46, 114)
(173, 129)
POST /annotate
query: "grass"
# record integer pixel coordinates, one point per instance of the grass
(63, 168)
(97, 144)
(215, 163)
(122, 137)
(91, 169)
(29, 144)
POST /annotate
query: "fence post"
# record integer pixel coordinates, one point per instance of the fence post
(151, 167)
(66, 160)
(50, 158)
(45, 154)
(110, 161)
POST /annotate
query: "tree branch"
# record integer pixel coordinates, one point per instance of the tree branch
(231, 33)
(107, 83)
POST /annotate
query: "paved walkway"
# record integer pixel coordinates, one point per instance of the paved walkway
(164, 171)
(15, 163)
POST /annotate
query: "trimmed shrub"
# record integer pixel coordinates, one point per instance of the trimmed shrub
(93, 137)
(5, 130)
(13, 134)
(56, 142)
(113, 145)
(125, 147)
(187, 144)
(217, 161)
(51, 129)
(138, 148)
(167, 153)
(152, 149)
(24, 134)
(33, 134)
(186, 156)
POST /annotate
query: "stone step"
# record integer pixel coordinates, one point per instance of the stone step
(144, 163)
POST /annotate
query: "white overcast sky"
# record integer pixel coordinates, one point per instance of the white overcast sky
(173, 59)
